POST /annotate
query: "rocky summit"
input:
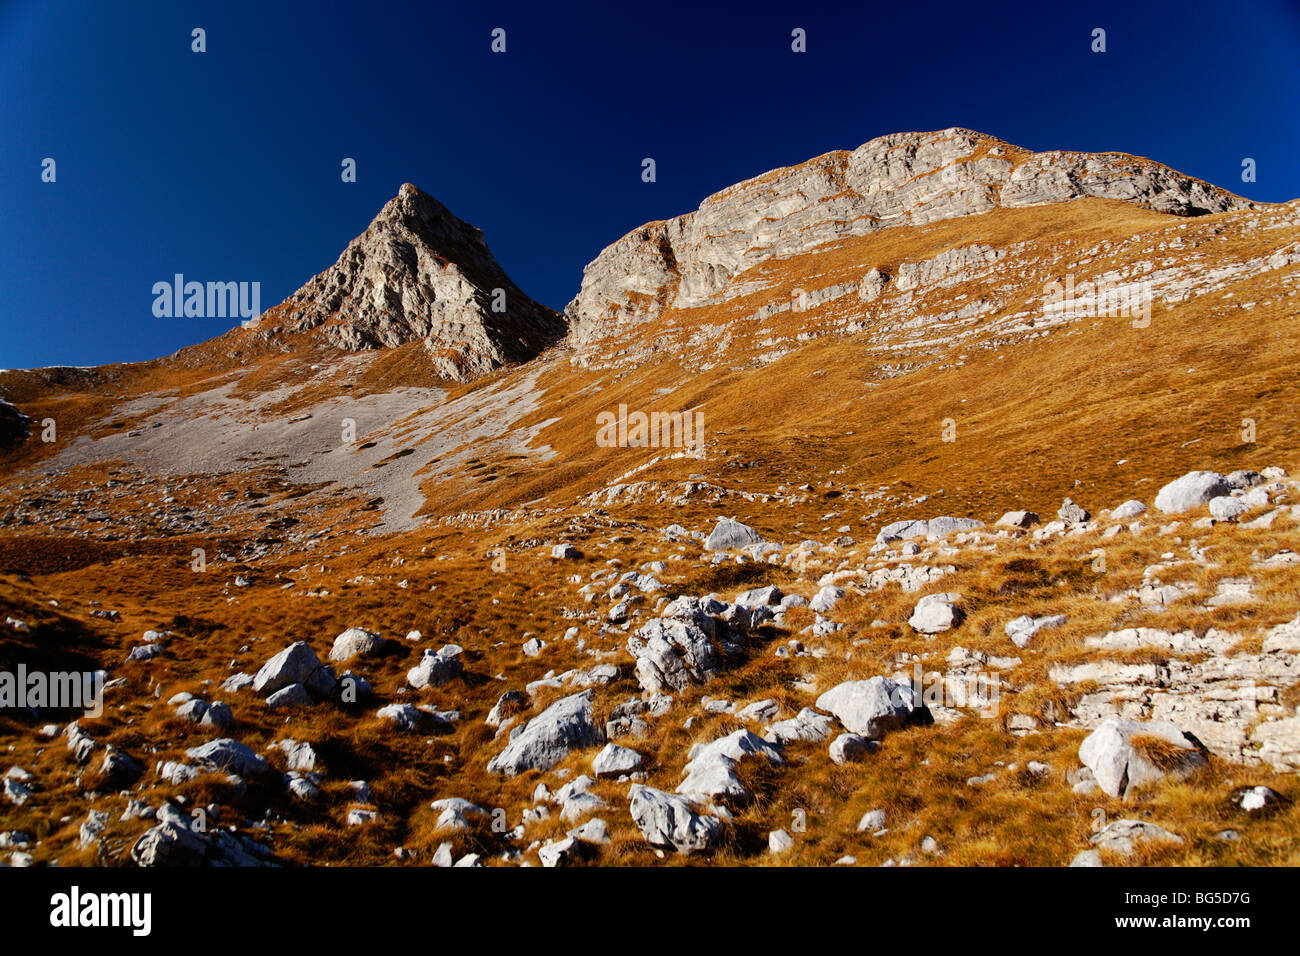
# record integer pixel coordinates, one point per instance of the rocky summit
(418, 273)
(905, 179)
(982, 547)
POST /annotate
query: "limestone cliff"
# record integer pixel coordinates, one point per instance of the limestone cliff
(904, 179)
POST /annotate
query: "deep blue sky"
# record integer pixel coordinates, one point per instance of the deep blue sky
(225, 165)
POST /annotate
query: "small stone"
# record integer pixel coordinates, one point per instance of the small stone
(778, 841)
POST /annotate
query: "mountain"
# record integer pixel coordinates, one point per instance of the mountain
(985, 519)
(420, 273)
(905, 179)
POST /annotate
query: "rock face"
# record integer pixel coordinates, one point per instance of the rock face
(1203, 683)
(548, 737)
(904, 179)
(1115, 754)
(418, 272)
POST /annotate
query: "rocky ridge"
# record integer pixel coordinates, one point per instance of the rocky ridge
(903, 179)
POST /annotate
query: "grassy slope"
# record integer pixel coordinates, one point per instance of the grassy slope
(1035, 422)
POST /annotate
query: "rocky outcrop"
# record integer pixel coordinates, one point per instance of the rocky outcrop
(677, 650)
(874, 707)
(1232, 700)
(419, 273)
(297, 664)
(548, 737)
(669, 820)
(904, 179)
(936, 612)
(1192, 490)
(1126, 754)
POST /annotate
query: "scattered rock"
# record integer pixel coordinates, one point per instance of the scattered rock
(874, 707)
(295, 695)
(405, 716)
(872, 821)
(936, 613)
(672, 654)
(1192, 490)
(594, 830)
(558, 852)
(231, 755)
(1018, 519)
(436, 667)
(1022, 629)
(1224, 508)
(1123, 836)
(614, 761)
(356, 642)
(1255, 799)
(759, 710)
(824, 600)
(729, 534)
(847, 748)
(807, 725)
(508, 704)
(1072, 514)
(1129, 509)
(669, 820)
(778, 842)
(564, 726)
(296, 664)
(1126, 754)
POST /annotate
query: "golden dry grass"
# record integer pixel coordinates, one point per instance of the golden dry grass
(1035, 422)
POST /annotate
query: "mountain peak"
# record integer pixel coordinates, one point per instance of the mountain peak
(420, 273)
(901, 179)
